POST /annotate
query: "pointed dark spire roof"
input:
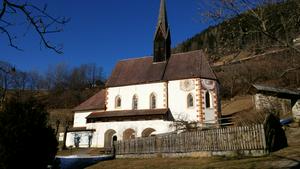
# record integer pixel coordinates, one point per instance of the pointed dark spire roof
(162, 19)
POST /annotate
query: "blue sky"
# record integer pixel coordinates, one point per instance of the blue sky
(103, 32)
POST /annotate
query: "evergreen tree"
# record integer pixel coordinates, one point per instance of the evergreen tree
(27, 141)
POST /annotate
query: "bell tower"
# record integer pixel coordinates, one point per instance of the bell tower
(162, 37)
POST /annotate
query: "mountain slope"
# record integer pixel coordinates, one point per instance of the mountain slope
(243, 33)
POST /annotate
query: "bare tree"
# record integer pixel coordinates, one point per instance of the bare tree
(36, 18)
(60, 119)
(6, 72)
(36, 81)
(181, 124)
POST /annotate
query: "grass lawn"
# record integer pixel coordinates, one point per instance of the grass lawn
(286, 158)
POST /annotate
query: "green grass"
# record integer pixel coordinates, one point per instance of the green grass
(285, 158)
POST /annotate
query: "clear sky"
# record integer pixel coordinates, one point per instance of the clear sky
(103, 32)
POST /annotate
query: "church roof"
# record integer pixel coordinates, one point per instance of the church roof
(270, 89)
(142, 70)
(78, 129)
(127, 113)
(96, 102)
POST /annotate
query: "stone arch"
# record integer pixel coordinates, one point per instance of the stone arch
(147, 132)
(108, 138)
(129, 134)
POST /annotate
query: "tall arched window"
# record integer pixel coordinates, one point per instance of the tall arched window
(152, 101)
(134, 102)
(190, 100)
(207, 100)
(118, 102)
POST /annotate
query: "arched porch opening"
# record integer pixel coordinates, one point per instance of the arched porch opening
(108, 138)
(147, 132)
(128, 134)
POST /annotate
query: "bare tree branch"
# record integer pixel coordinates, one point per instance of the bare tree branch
(10, 39)
(3, 9)
(37, 18)
(289, 70)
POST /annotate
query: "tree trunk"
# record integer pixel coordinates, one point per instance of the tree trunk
(65, 137)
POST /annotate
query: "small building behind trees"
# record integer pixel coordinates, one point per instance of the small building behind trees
(284, 102)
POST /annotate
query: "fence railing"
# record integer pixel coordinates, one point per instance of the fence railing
(222, 139)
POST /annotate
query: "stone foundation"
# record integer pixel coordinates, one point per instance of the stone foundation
(238, 153)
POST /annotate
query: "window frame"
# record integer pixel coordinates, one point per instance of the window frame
(188, 101)
(118, 102)
(135, 102)
(208, 97)
(153, 95)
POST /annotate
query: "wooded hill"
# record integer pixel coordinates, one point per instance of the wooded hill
(243, 33)
(242, 52)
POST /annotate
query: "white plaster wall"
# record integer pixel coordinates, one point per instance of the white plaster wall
(70, 140)
(80, 118)
(209, 112)
(281, 105)
(138, 126)
(84, 139)
(143, 93)
(296, 110)
(177, 100)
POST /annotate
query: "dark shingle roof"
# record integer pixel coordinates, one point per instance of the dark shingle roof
(188, 65)
(128, 113)
(266, 88)
(78, 129)
(143, 70)
(135, 71)
(96, 102)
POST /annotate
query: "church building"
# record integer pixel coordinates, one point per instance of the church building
(144, 96)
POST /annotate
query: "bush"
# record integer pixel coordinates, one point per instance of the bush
(26, 141)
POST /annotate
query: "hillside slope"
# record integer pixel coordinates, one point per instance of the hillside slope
(243, 33)
(242, 55)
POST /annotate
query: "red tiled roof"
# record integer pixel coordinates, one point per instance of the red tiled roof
(96, 102)
(143, 70)
(127, 113)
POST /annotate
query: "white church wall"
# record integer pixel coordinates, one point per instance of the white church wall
(178, 91)
(159, 126)
(296, 110)
(80, 118)
(81, 137)
(142, 92)
(211, 111)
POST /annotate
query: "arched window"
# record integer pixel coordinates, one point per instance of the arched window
(118, 102)
(134, 102)
(207, 100)
(190, 100)
(152, 101)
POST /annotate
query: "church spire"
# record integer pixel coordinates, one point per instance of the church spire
(162, 37)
